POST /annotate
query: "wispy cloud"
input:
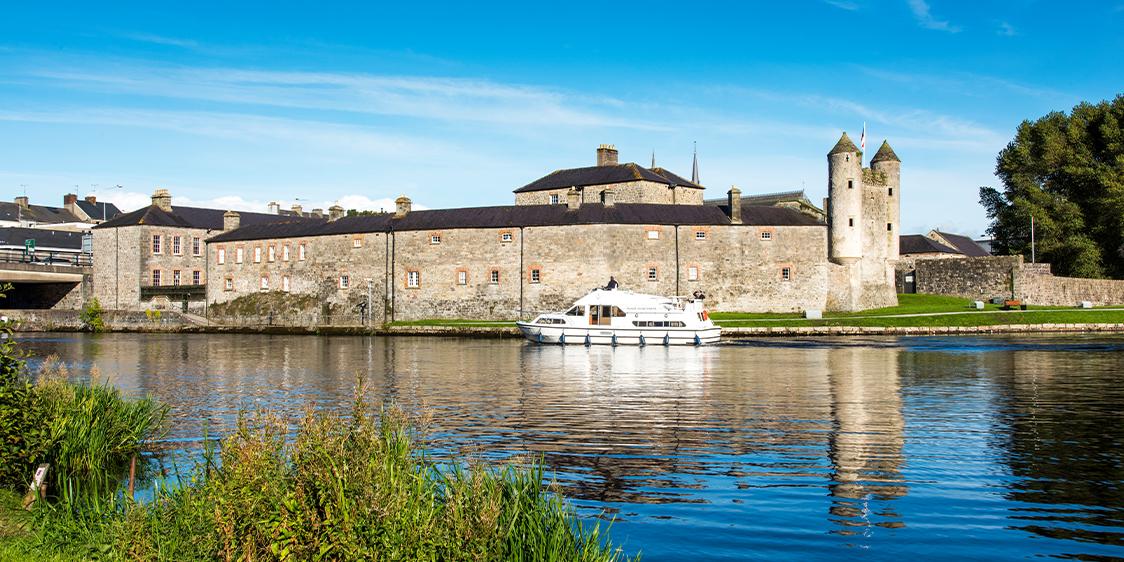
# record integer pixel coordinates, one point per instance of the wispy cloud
(159, 40)
(924, 16)
(1006, 29)
(963, 83)
(843, 4)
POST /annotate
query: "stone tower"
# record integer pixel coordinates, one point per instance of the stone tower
(889, 168)
(845, 206)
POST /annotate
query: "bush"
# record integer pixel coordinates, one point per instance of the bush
(91, 316)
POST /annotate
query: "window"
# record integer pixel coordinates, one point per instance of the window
(272, 252)
(653, 235)
(434, 238)
(693, 273)
(176, 246)
(222, 256)
(413, 279)
(285, 283)
(345, 282)
(766, 235)
(196, 246)
(176, 277)
(228, 284)
(850, 184)
(238, 255)
(494, 276)
(155, 277)
(300, 252)
(554, 199)
(653, 274)
(357, 242)
(196, 277)
(505, 237)
(462, 277)
(889, 227)
(786, 274)
(890, 191)
(257, 254)
(536, 275)
(851, 222)
(156, 244)
(285, 252)
(576, 311)
(700, 235)
(264, 283)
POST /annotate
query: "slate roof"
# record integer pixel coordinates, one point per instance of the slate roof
(95, 210)
(44, 238)
(964, 245)
(599, 175)
(514, 216)
(919, 244)
(885, 153)
(36, 213)
(844, 145)
(192, 217)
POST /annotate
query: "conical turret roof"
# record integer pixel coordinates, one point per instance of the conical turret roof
(844, 145)
(885, 153)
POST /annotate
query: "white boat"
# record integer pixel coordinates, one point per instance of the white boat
(618, 317)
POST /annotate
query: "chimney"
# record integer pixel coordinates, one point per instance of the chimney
(734, 199)
(23, 201)
(163, 199)
(609, 197)
(335, 213)
(298, 210)
(401, 207)
(318, 213)
(231, 221)
(573, 199)
(92, 199)
(606, 155)
(273, 208)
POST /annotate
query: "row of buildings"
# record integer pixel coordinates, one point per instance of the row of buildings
(567, 232)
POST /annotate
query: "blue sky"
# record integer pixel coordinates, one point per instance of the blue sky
(457, 105)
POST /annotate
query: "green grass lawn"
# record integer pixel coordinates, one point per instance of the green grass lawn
(454, 322)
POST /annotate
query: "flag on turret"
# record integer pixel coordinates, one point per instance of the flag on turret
(862, 139)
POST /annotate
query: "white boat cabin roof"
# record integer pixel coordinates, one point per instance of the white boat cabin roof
(628, 300)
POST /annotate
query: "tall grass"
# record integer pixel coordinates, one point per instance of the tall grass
(332, 487)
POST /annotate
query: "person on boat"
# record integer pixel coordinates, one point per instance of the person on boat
(612, 284)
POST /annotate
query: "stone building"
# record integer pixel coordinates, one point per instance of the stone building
(568, 233)
(154, 257)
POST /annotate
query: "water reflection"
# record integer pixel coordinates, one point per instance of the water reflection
(778, 448)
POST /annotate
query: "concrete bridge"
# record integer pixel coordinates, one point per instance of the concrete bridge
(45, 285)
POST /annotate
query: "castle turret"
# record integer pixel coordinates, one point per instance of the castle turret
(845, 211)
(887, 164)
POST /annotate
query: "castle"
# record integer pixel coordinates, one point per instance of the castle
(567, 232)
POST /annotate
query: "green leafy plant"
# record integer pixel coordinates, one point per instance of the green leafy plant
(91, 316)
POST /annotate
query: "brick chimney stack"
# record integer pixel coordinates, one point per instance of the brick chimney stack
(402, 207)
(162, 198)
(734, 199)
(335, 213)
(231, 220)
(23, 201)
(609, 197)
(92, 199)
(606, 155)
(573, 199)
(298, 210)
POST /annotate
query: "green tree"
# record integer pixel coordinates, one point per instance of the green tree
(1067, 171)
(91, 316)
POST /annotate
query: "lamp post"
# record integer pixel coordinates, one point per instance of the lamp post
(1032, 238)
(369, 282)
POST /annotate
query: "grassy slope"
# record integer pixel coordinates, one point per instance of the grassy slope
(15, 542)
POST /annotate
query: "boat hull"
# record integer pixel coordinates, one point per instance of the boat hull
(595, 335)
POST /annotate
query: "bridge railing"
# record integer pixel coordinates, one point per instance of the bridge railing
(41, 257)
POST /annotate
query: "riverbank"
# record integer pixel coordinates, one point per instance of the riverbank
(914, 315)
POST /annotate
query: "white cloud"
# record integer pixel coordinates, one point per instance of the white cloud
(843, 4)
(1006, 29)
(159, 40)
(925, 18)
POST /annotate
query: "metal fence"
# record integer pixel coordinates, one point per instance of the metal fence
(44, 257)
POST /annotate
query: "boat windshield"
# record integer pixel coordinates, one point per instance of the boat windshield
(575, 311)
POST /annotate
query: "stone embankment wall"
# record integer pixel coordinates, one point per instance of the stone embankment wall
(68, 320)
(1008, 277)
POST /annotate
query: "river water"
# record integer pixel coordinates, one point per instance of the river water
(1006, 447)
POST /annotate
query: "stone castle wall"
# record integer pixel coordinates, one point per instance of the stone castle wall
(539, 269)
(640, 191)
(1008, 277)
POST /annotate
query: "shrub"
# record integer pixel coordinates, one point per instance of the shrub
(91, 316)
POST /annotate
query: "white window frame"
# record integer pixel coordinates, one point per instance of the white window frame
(506, 237)
(652, 234)
(222, 256)
(239, 255)
(285, 283)
(536, 275)
(176, 278)
(494, 277)
(555, 199)
(272, 253)
(156, 278)
(264, 283)
(653, 274)
(285, 252)
(196, 277)
(157, 246)
(257, 254)
(357, 242)
(766, 235)
(301, 252)
(177, 248)
(345, 281)
(196, 246)
(700, 235)
(462, 277)
(434, 239)
(228, 284)
(413, 279)
(693, 273)
(786, 274)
